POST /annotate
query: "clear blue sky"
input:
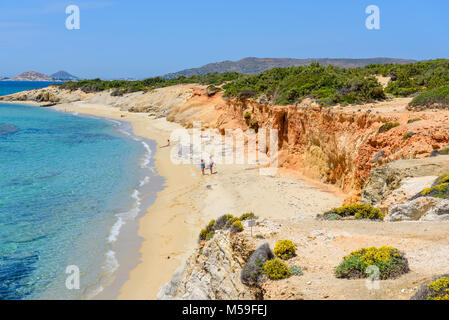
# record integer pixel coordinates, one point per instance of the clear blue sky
(138, 38)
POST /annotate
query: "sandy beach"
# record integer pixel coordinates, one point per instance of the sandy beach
(189, 200)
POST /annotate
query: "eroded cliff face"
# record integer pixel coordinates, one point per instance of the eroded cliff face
(336, 145)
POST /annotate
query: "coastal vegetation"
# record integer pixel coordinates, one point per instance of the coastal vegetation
(276, 269)
(389, 261)
(414, 120)
(328, 85)
(120, 87)
(411, 78)
(388, 126)
(225, 222)
(295, 271)
(357, 211)
(439, 189)
(438, 97)
(437, 289)
(285, 249)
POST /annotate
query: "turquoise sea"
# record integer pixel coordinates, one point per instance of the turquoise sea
(9, 87)
(69, 187)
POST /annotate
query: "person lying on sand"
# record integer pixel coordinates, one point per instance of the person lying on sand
(167, 145)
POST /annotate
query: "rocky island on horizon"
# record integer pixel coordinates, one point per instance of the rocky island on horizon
(36, 76)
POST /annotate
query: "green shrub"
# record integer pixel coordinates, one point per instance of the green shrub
(203, 234)
(439, 289)
(390, 262)
(439, 188)
(332, 217)
(253, 124)
(247, 116)
(388, 126)
(295, 271)
(276, 269)
(247, 216)
(358, 211)
(285, 249)
(120, 87)
(407, 135)
(328, 85)
(224, 222)
(210, 235)
(211, 90)
(237, 226)
(438, 97)
(413, 120)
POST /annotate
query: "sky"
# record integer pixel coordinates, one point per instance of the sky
(144, 38)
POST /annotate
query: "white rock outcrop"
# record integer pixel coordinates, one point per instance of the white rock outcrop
(422, 209)
(213, 274)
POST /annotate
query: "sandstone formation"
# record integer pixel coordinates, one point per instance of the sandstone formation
(212, 273)
(399, 180)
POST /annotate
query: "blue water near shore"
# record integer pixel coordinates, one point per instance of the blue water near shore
(10, 87)
(68, 184)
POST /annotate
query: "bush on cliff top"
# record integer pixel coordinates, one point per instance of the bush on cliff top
(388, 126)
(358, 211)
(248, 216)
(225, 222)
(328, 85)
(285, 249)
(439, 189)
(120, 87)
(437, 289)
(438, 97)
(389, 262)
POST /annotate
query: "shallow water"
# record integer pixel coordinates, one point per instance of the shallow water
(68, 184)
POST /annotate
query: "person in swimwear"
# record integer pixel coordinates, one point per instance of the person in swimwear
(203, 166)
(211, 165)
(167, 145)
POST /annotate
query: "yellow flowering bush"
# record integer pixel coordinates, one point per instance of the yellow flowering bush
(390, 262)
(439, 289)
(439, 189)
(225, 222)
(237, 226)
(285, 249)
(276, 269)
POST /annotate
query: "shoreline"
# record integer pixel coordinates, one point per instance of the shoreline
(169, 227)
(154, 225)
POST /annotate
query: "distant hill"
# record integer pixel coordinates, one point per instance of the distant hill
(31, 76)
(256, 65)
(63, 76)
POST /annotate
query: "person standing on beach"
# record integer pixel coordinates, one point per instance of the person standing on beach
(211, 165)
(203, 166)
